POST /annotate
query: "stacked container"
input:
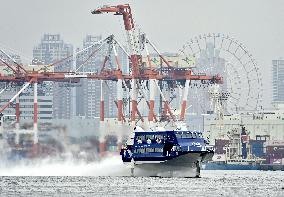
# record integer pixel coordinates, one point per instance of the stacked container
(257, 148)
(220, 145)
(274, 150)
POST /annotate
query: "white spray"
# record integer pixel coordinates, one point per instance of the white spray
(111, 166)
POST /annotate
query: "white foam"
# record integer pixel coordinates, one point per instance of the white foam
(111, 166)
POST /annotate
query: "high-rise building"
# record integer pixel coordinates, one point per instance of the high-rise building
(278, 81)
(27, 104)
(51, 49)
(89, 94)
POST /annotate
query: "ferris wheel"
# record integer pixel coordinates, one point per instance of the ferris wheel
(220, 54)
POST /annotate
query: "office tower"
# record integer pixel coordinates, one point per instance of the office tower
(51, 49)
(278, 81)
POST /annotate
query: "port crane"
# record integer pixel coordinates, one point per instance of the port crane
(131, 81)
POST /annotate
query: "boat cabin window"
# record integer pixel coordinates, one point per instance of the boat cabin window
(151, 137)
(140, 137)
(185, 135)
(188, 135)
(159, 138)
(178, 135)
(197, 135)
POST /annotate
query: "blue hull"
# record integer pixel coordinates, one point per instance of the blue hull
(216, 166)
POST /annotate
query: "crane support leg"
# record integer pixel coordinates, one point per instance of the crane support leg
(18, 112)
(184, 100)
(102, 144)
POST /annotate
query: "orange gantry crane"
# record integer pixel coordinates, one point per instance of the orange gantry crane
(136, 44)
(131, 80)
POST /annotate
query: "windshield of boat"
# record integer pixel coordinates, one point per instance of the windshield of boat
(183, 135)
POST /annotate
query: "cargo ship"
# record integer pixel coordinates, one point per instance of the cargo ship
(235, 152)
(175, 153)
(239, 152)
(265, 138)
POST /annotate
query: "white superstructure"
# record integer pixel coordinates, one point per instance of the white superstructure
(258, 123)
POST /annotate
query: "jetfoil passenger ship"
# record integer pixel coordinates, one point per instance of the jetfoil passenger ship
(176, 153)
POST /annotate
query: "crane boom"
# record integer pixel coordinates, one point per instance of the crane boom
(123, 10)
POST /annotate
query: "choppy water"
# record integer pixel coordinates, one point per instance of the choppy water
(108, 178)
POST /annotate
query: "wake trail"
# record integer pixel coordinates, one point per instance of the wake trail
(110, 166)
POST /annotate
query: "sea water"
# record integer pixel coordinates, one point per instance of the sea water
(110, 177)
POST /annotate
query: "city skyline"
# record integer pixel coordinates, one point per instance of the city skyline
(249, 22)
(54, 56)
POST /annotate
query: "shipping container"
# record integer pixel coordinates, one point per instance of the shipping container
(257, 148)
(220, 145)
(276, 155)
(274, 150)
(274, 159)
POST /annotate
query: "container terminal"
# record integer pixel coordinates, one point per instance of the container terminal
(152, 91)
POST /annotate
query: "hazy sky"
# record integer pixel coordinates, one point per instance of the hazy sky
(258, 24)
